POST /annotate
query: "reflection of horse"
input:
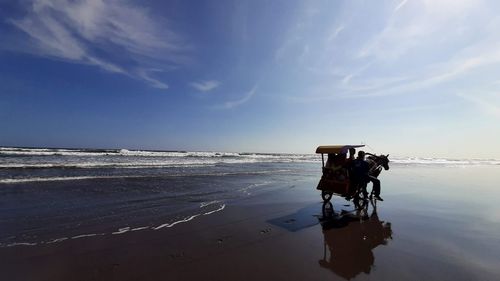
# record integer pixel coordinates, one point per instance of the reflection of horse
(350, 238)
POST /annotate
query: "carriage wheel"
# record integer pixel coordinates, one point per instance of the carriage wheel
(326, 196)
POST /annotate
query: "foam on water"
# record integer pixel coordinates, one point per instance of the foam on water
(90, 165)
(87, 158)
(28, 165)
(37, 179)
(142, 153)
(443, 161)
(87, 235)
(69, 178)
(123, 230)
(216, 210)
(176, 222)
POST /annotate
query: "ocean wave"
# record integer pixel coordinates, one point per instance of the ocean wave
(119, 152)
(19, 151)
(132, 165)
(443, 161)
(123, 158)
(6, 151)
(76, 178)
(45, 179)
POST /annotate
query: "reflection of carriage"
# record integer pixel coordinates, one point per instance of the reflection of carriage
(336, 178)
(350, 237)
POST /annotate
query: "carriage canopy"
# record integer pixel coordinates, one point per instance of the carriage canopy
(336, 148)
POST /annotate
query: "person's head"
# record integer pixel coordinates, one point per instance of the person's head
(361, 155)
(339, 159)
(352, 152)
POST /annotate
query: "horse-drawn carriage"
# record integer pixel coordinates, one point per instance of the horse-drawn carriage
(336, 176)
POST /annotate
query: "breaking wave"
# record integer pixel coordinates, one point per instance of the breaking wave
(52, 158)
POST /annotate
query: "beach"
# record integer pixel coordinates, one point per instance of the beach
(247, 220)
(213, 140)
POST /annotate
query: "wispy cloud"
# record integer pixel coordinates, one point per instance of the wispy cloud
(431, 21)
(295, 35)
(400, 5)
(113, 35)
(146, 76)
(205, 86)
(244, 99)
(439, 73)
(347, 78)
(407, 51)
(485, 105)
(336, 32)
(486, 53)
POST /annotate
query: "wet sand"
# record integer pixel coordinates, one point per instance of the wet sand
(435, 224)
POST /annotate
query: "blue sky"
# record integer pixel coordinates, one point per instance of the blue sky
(417, 78)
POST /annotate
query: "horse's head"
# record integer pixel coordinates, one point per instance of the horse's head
(384, 161)
(379, 161)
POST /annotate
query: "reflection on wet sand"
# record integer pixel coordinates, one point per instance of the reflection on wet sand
(350, 238)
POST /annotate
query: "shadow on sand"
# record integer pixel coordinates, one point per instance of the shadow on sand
(303, 218)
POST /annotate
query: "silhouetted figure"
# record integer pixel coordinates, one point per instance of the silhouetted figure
(361, 177)
(349, 166)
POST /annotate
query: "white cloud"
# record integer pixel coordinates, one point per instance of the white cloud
(113, 35)
(244, 99)
(205, 86)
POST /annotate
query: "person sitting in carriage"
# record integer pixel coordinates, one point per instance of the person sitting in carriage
(335, 166)
(360, 177)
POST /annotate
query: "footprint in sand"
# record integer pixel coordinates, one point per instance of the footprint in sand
(177, 255)
(264, 231)
(223, 239)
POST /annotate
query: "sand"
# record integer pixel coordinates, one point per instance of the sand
(429, 227)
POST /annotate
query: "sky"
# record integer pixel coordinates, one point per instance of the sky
(406, 77)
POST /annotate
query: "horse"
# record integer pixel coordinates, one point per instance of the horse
(376, 164)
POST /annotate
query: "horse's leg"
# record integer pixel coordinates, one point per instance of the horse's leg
(371, 192)
(375, 186)
(358, 190)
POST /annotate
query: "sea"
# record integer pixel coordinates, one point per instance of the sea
(49, 195)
